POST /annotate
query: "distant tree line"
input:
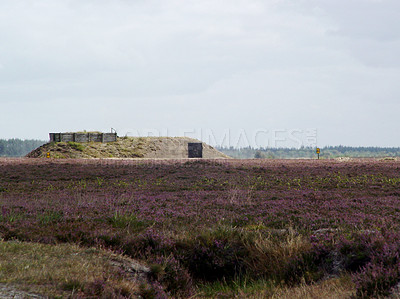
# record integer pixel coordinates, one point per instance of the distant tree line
(310, 152)
(18, 147)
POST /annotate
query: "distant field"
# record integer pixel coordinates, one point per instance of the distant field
(247, 228)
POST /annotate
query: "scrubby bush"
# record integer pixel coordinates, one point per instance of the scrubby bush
(228, 221)
(148, 244)
(376, 279)
(169, 272)
(213, 255)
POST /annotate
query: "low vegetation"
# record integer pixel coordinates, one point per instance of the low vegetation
(63, 270)
(206, 228)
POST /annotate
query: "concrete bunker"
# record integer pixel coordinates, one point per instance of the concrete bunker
(83, 137)
(195, 150)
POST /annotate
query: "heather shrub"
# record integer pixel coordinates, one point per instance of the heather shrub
(214, 255)
(372, 257)
(344, 213)
(340, 251)
(300, 268)
(147, 245)
(102, 288)
(212, 259)
(74, 233)
(11, 234)
(111, 240)
(382, 273)
(354, 254)
(172, 275)
(376, 280)
(152, 291)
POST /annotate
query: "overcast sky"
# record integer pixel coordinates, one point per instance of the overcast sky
(271, 72)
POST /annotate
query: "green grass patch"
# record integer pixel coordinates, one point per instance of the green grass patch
(129, 221)
(77, 146)
(50, 217)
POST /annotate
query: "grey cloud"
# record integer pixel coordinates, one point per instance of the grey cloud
(238, 64)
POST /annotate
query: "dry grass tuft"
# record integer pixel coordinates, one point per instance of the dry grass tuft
(270, 254)
(239, 197)
(59, 270)
(334, 288)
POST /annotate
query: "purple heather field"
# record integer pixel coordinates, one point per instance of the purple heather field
(349, 211)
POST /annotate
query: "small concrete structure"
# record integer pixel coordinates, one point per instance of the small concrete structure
(195, 150)
(83, 137)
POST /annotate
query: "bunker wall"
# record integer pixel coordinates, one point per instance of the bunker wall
(83, 137)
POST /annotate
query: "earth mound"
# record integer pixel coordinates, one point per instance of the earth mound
(125, 147)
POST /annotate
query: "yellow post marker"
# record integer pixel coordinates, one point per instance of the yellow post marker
(48, 155)
(318, 152)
